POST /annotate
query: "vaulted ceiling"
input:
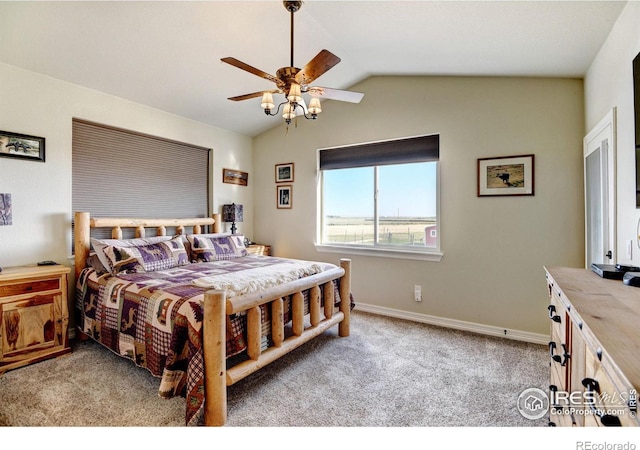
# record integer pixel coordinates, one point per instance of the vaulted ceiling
(166, 54)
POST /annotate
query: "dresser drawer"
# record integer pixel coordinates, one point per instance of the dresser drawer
(609, 399)
(557, 313)
(29, 287)
(560, 413)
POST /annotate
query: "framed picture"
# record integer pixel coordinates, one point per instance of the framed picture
(284, 196)
(284, 173)
(235, 177)
(5, 209)
(508, 175)
(14, 145)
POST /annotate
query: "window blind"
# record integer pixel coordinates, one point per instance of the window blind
(121, 173)
(396, 151)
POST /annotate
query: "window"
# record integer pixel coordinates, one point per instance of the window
(381, 196)
(122, 173)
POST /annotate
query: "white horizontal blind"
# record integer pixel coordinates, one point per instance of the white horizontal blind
(120, 173)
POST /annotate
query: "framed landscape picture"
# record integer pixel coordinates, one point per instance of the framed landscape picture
(235, 177)
(22, 146)
(284, 172)
(508, 175)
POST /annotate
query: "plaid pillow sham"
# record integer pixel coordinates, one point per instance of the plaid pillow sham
(147, 258)
(100, 245)
(217, 247)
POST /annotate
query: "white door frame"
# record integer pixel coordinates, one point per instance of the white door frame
(604, 130)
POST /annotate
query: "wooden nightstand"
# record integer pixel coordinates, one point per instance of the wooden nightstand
(259, 249)
(34, 314)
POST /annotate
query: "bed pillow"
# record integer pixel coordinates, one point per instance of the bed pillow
(99, 246)
(217, 247)
(161, 255)
(94, 262)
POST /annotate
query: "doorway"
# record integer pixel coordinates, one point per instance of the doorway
(600, 194)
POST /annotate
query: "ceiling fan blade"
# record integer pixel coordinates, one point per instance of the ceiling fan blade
(335, 94)
(320, 64)
(252, 95)
(240, 65)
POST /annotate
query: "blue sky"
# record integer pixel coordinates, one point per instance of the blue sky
(407, 190)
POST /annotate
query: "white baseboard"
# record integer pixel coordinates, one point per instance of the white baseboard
(490, 330)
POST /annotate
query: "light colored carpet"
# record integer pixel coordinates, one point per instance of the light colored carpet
(388, 373)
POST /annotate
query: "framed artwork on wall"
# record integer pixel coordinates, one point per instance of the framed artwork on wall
(284, 196)
(235, 177)
(507, 175)
(5, 209)
(22, 146)
(284, 173)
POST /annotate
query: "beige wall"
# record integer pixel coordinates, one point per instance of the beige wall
(41, 193)
(609, 84)
(494, 248)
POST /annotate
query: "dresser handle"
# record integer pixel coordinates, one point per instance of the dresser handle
(552, 309)
(552, 350)
(566, 355)
(557, 358)
(593, 387)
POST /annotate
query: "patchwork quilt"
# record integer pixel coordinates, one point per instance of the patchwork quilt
(155, 318)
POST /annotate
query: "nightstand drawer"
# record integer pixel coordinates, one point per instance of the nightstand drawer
(29, 287)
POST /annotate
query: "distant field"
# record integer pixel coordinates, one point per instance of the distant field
(396, 231)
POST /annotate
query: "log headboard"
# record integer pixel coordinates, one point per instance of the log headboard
(84, 223)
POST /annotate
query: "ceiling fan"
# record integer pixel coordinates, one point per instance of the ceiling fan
(293, 82)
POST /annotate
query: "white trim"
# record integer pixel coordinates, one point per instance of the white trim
(402, 253)
(489, 330)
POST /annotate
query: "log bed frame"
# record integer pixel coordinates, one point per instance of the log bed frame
(217, 307)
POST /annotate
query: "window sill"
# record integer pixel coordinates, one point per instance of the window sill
(380, 252)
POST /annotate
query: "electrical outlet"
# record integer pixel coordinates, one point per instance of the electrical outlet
(417, 292)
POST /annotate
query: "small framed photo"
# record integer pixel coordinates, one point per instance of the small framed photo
(14, 145)
(235, 177)
(5, 209)
(284, 173)
(508, 175)
(284, 196)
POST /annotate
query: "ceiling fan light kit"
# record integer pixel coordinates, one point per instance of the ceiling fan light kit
(294, 82)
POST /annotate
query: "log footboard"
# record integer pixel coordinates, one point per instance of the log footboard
(217, 307)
